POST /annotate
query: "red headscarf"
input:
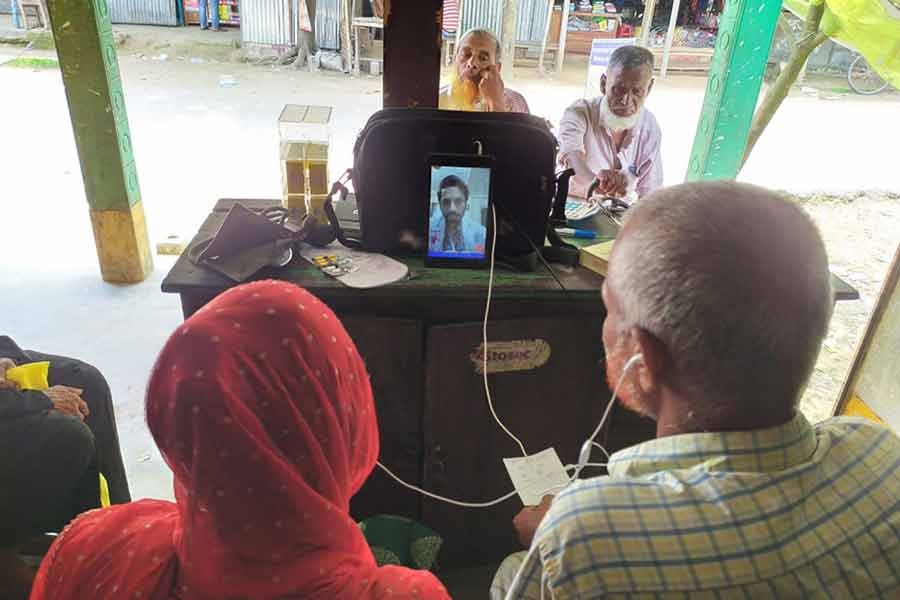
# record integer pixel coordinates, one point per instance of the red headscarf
(261, 406)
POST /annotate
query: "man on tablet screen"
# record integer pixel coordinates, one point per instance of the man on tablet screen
(453, 232)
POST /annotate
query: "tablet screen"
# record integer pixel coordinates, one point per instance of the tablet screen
(458, 212)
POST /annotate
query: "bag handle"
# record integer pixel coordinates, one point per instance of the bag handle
(340, 187)
(559, 251)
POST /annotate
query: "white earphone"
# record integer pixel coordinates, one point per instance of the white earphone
(584, 456)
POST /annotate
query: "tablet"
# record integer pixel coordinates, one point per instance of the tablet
(459, 204)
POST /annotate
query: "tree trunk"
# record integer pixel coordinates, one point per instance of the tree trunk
(811, 39)
(508, 37)
(306, 45)
(346, 41)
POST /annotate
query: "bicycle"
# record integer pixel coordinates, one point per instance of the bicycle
(863, 79)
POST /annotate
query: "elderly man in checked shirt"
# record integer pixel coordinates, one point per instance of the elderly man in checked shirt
(724, 290)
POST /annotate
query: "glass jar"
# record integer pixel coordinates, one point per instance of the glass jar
(305, 135)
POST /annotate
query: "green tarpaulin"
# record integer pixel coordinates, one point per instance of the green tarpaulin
(871, 27)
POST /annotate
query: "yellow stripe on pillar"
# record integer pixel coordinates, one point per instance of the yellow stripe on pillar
(122, 244)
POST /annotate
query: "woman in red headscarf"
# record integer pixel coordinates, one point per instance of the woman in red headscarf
(262, 408)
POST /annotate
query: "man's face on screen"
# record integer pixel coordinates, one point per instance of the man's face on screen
(453, 204)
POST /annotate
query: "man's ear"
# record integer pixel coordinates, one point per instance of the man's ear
(650, 87)
(656, 360)
(603, 84)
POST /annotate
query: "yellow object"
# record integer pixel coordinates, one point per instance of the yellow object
(305, 137)
(31, 376)
(104, 492)
(123, 245)
(596, 257)
(871, 27)
(857, 408)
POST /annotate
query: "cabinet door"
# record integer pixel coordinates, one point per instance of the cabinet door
(392, 350)
(553, 396)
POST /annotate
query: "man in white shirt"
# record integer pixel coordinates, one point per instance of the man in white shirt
(613, 139)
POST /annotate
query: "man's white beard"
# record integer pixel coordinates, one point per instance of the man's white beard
(613, 121)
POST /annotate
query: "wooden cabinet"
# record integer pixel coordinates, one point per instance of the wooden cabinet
(437, 430)
(552, 400)
(392, 350)
(421, 339)
(579, 42)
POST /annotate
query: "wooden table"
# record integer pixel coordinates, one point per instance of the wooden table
(420, 339)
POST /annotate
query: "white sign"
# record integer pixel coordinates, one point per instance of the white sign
(601, 50)
(537, 475)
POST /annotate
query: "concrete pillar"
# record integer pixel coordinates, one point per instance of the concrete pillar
(90, 71)
(735, 77)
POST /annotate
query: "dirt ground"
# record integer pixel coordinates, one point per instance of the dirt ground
(862, 233)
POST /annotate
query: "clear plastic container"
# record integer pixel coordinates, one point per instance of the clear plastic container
(305, 135)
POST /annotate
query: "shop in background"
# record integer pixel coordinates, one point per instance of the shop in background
(589, 21)
(229, 12)
(695, 34)
(693, 39)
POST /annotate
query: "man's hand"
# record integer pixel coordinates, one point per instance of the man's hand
(5, 365)
(67, 400)
(491, 89)
(528, 519)
(613, 183)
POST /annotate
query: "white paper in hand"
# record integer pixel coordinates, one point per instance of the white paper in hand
(537, 475)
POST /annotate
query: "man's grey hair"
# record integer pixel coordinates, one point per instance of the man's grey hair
(630, 57)
(498, 51)
(734, 281)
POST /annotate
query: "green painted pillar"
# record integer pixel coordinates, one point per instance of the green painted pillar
(735, 77)
(90, 70)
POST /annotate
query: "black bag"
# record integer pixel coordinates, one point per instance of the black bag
(390, 162)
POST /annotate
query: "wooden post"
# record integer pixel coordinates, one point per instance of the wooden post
(412, 53)
(546, 36)
(872, 385)
(563, 32)
(670, 34)
(735, 77)
(90, 72)
(508, 37)
(346, 43)
(459, 23)
(647, 22)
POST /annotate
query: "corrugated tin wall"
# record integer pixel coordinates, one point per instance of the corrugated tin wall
(483, 14)
(143, 12)
(328, 24)
(267, 23)
(532, 20)
(488, 14)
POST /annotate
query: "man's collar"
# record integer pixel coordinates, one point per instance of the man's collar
(759, 450)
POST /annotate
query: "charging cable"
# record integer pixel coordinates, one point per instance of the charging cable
(487, 504)
(583, 456)
(484, 337)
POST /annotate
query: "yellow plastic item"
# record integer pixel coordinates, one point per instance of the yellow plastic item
(31, 376)
(871, 27)
(104, 492)
(857, 408)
